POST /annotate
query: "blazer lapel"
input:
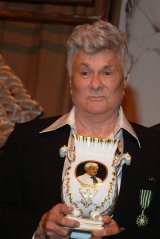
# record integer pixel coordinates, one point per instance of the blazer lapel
(52, 163)
(127, 206)
(142, 174)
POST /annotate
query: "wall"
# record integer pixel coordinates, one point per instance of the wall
(142, 26)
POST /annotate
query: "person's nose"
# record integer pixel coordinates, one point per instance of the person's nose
(96, 81)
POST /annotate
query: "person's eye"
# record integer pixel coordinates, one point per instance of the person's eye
(108, 72)
(84, 74)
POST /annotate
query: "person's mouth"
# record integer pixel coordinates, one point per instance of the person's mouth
(96, 98)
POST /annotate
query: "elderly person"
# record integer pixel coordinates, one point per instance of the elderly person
(31, 171)
(89, 177)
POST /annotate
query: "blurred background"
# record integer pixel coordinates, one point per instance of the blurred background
(33, 77)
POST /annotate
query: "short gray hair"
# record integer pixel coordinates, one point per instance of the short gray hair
(95, 37)
(90, 164)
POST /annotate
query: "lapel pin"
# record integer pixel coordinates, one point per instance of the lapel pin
(151, 179)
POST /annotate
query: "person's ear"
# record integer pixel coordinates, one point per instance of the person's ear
(125, 82)
(70, 85)
(128, 77)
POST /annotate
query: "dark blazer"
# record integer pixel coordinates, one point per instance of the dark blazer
(31, 178)
(156, 126)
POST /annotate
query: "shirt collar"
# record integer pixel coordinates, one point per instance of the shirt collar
(69, 119)
(123, 123)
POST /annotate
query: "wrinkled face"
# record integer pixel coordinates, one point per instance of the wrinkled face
(92, 170)
(97, 83)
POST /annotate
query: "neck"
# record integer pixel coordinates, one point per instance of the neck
(98, 126)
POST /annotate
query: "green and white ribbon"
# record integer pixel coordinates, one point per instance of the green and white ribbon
(145, 200)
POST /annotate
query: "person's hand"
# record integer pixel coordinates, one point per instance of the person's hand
(110, 228)
(54, 224)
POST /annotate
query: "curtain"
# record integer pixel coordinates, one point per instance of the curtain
(36, 51)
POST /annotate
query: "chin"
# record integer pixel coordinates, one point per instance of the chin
(97, 111)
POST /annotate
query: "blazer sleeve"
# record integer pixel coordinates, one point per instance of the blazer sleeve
(16, 222)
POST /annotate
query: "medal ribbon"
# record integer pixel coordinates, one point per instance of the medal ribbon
(145, 198)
